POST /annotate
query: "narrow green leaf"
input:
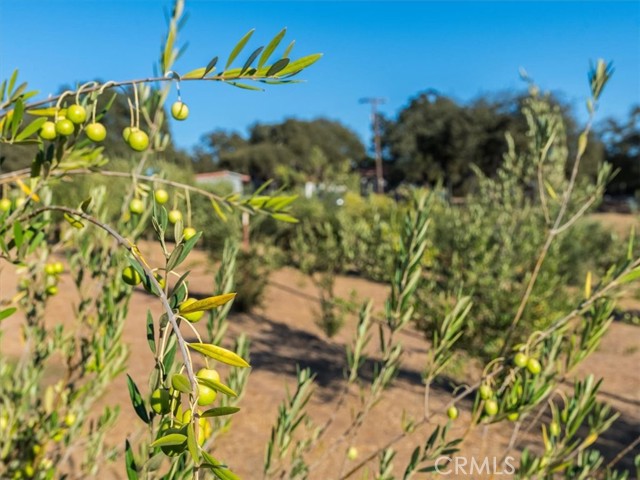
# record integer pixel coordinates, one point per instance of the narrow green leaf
(181, 383)
(136, 400)
(16, 119)
(631, 276)
(219, 411)
(218, 468)
(287, 52)
(7, 312)
(85, 205)
(151, 335)
(284, 217)
(278, 67)
(210, 66)
(3, 87)
(218, 386)
(12, 81)
(18, 234)
(187, 247)
(18, 91)
(250, 60)
(169, 440)
(246, 87)
(301, 64)
(174, 258)
(270, 48)
(192, 444)
(30, 129)
(220, 354)
(130, 462)
(168, 48)
(238, 48)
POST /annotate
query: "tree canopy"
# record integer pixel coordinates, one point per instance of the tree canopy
(289, 152)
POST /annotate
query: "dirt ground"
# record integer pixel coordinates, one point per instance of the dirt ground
(283, 334)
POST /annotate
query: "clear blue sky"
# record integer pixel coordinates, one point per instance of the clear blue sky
(386, 49)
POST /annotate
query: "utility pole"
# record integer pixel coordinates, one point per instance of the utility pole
(375, 125)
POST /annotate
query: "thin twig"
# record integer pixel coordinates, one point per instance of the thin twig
(133, 250)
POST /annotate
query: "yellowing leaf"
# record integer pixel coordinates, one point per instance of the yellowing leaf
(45, 112)
(220, 354)
(197, 73)
(587, 286)
(27, 191)
(208, 303)
(74, 222)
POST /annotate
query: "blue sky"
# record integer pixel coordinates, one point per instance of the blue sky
(385, 49)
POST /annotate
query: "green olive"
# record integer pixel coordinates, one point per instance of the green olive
(48, 130)
(76, 113)
(131, 276)
(65, 127)
(96, 132)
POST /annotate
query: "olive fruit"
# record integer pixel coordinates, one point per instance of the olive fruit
(138, 140)
(126, 132)
(554, 429)
(206, 395)
(5, 205)
(520, 360)
(179, 111)
(58, 268)
(48, 130)
(352, 453)
(161, 196)
(533, 365)
(188, 233)
(513, 416)
(96, 132)
(174, 216)
(193, 317)
(69, 419)
(136, 206)
(161, 401)
(50, 269)
(52, 290)
(64, 127)
(131, 276)
(76, 113)
(452, 412)
(491, 407)
(208, 374)
(485, 392)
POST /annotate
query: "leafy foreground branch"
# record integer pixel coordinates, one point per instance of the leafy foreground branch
(41, 435)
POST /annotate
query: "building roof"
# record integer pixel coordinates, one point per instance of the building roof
(221, 174)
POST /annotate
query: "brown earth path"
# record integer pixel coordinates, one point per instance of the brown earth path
(283, 334)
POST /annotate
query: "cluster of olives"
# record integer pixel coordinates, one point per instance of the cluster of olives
(486, 393)
(161, 403)
(136, 206)
(53, 271)
(65, 125)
